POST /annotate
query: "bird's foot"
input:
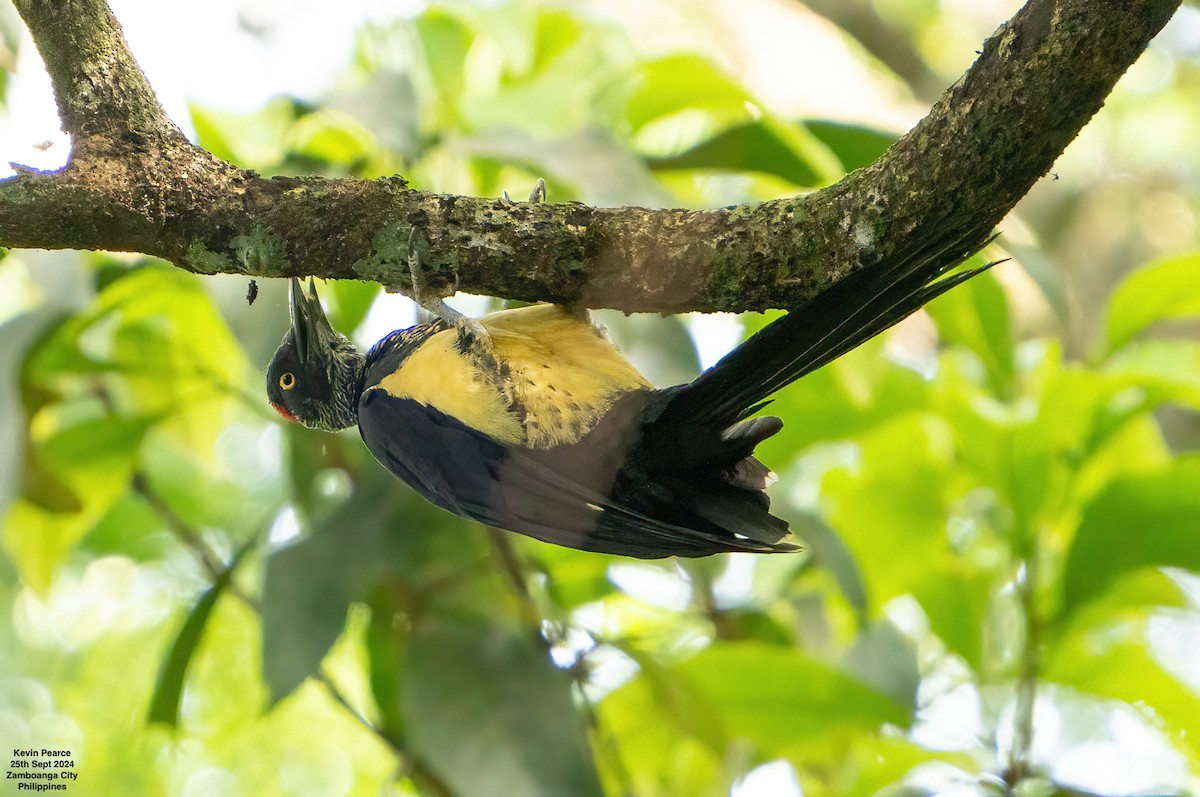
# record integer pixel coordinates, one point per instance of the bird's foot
(429, 301)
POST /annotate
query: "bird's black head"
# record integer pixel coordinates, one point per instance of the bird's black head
(314, 377)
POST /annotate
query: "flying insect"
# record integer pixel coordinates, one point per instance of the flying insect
(530, 420)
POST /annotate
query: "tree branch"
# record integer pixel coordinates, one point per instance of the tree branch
(134, 184)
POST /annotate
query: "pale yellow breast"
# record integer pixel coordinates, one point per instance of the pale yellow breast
(541, 378)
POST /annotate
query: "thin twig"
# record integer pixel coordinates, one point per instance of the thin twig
(183, 531)
(1020, 763)
(410, 765)
(504, 550)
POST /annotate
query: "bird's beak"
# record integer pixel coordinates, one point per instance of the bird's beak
(309, 324)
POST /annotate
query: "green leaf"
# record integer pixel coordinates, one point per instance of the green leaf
(594, 166)
(205, 495)
(886, 659)
(786, 151)
(1119, 666)
(852, 395)
(491, 715)
(830, 551)
(1163, 290)
(663, 748)
(893, 510)
(97, 449)
(349, 302)
(308, 586)
(976, 315)
(331, 137)
(251, 140)
(93, 459)
(1168, 370)
(385, 643)
(445, 42)
(163, 347)
(168, 687)
(43, 488)
(129, 528)
(1147, 520)
(19, 334)
(382, 534)
(679, 700)
(575, 577)
(776, 697)
(854, 145)
(955, 597)
(684, 82)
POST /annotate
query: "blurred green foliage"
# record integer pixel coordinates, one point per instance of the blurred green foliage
(200, 599)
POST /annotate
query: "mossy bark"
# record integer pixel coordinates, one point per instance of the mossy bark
(135, 184)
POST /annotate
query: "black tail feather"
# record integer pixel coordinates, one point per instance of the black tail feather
(694, 468)
(832, 323)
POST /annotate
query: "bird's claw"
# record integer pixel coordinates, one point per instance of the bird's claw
(536, 197)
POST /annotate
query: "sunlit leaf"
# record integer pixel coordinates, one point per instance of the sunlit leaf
(250, 140)
(681, 702)
(776, 697)
(1114, 665)
(955, 597)
(444, 41)
(168, 688)
(491, 715)
(1167, 370)
(1148, 520)
(790, 152)
(18, 334)
(129, 528)
(868, 764)
(664, 755)
(575, 577)
(1164, 290)
(848, 397)
(94, 459)
(349, 301)
(854, 145)
(885, 659)
(893, 512)
(684, 82)
(331, 137)
(162, 348)
(976, 315)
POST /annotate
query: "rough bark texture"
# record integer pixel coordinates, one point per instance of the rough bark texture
(135, 184)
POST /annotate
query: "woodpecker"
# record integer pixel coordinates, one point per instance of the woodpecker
(530, 420)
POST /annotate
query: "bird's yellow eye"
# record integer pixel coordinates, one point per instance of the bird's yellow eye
(287, 381)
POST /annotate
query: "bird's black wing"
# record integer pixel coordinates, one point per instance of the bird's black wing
(562, 495)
